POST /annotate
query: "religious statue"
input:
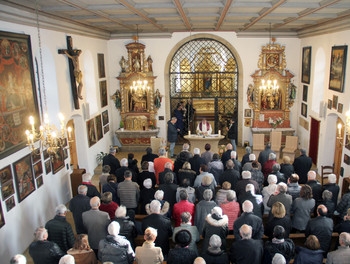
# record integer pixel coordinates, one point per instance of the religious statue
(123, 64)
(250, 93)
(157, 99)
(149, 64)
(74, 56)
(292, 91)
(137, 64)
(117, 99)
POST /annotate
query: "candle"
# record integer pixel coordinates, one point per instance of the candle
(69, 132)
(339, 129)
(219, 132)
(189, 133)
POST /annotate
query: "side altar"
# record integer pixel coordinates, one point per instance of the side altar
(272, 94)
(137, 100)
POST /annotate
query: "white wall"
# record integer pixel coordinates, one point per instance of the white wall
(38, 207)
(323, 44)
(248, 49)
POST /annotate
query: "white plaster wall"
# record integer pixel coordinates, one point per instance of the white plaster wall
(38, 207)
(248, 49)
(327, 130)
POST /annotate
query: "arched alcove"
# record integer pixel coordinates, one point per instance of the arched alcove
(91, 90)
(318, 79)
(239, 76)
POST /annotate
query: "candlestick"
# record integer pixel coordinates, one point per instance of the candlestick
(339, 129)
(189, 133)
(219, 132)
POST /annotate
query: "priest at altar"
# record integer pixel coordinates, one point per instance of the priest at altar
(204, 128)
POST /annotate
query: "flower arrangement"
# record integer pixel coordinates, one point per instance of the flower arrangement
(275, 122)
(151, 125)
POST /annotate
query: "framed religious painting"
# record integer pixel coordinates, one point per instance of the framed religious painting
(18, 91)
(106, 129)
(247, 112)
(24, 177)
(47, 167)
(338, 65)
(99, 133)
(5, 174)
(6, 180)
(303, 110)
(330, 103)
(335, 101)
(105, 119)
(2, 219)
(103, 93)
(38, 169)
(91, 132)
(305, 90)
(57, 161)
(340, 108)
(101, 65)
(65, 153)
(306, 65)
(39, 181)
(46, 154)
(10, 203)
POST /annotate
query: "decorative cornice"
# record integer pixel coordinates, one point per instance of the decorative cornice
(326, 28)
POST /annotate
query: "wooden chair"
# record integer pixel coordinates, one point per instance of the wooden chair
(276, 140)
(290, 148)
(325, 171)
(258, 144)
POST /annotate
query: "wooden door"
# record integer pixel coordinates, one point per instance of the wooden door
(314, 137)
(338, 151)
(72, 146)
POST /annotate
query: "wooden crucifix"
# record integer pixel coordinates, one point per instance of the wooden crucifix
(76, 76)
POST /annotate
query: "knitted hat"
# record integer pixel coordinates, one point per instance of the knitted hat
(183, 238)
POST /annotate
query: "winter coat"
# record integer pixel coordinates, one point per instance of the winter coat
(214, 226)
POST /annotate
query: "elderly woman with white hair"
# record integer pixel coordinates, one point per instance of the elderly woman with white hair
(18, 259)
(215, 224)
(333, 187)
(43, 251)
(149, 253)
(267, 167)
(203, 208)
(241, 184)
(159, 195)
(214, 254)
(268, 191)
(115, 248)
(146, 195)
(127, 226)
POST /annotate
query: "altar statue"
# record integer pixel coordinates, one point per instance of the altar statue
(123, 63)
(138, 102)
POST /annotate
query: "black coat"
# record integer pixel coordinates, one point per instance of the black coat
(92, 191)
(322, 228)
(258, 209)
(111, 187)
(146, 175)
(181, 255)
(78, 205)
(239, 251)
(45, 252)
(120, 174)
(196, 162)
(162, 175)
(225, 157)
(163, 225)
(270, 225)
(286, 248)
(60, 232)
(264, 156)
(146, 196)
(245, 159)
(186, 174)
(241, 184)
(230, 175)
(231, 133)
(316, 190)
(334, 189)
(172, 132)
(302, 165)
(169, 192)
(149, 157)
(250, 219)
(127, 229)
(287, 170)
(215, 258)
(112, 161)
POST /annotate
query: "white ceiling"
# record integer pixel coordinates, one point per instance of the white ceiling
(122, 17)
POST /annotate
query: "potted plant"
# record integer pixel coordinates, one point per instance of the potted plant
(121, 125)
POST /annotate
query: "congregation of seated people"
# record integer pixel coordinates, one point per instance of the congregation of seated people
(200, 208)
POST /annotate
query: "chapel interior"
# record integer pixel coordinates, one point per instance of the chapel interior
(117, 71)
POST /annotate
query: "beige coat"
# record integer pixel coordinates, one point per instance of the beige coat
(148, 254)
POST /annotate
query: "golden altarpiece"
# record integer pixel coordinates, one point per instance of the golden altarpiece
(137, 101)
(273, 93)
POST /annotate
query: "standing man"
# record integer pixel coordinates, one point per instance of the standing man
(172, 134)
(302, 166)
(111, 160)
(78, 205)
(231, 130)
(129, 192)
(178, 113)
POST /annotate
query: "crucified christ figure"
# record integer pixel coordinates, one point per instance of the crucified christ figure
(74, 56)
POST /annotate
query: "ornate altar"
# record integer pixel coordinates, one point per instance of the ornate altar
(137, 101)
(272, 94)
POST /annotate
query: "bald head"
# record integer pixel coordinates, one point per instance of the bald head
(344, 239)
(245, 231)
(322, 210)
(311, 175)
(199, 260)
(95, 202)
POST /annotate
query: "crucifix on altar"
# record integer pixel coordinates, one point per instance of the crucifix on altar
(76, 75)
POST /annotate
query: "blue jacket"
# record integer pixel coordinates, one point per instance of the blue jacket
(172, 132)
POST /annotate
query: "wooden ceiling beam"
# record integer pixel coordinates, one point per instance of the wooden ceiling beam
(133, 9)
(182, 13)
(307, 13)
(277, 4)
(223, 14)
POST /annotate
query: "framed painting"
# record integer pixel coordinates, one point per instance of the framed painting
(98, 121)
(340, 108)
(335, 101)
(57, 161)
(105, 119)
(5, 174)
(106, 129)
(10, 203)
(46, 154)
(306, 65)
(24, 177)
(248, 113)
(65, 153)
(2, 219)
(330, 103)
(7, 189)
(36, 156)
(38, 169)
(247, 122)
(103, 93)
(101, 65)
(18, 91)
(338, 65)
(91, 132)
(39, 182)
(303, 110)
(346, 159)
(47, 167)
(305, 91)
